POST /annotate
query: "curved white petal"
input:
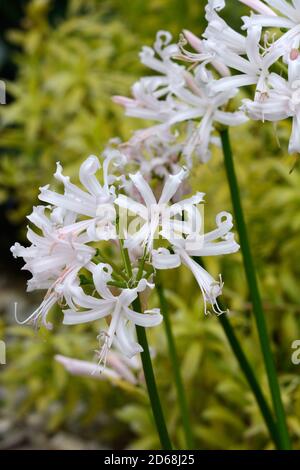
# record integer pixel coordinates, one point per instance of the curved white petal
(143, 319)
(163, 259)
(144, 189)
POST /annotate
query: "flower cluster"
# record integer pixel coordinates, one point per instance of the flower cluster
(96, 248)
(191, 92)
(180, 95)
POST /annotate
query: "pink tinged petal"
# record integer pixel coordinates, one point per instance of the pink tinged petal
(178, 207)
(271, 110)
(48, 263)
(216, 4)
(279, 84)
(88, 369)
(18, 250)
(124, 101)
(192, 113)
(259, 6)
(87, 301)
(43, 242)
(127, 296)
(193, 40)
(225, 247)
(224, 223)
(147, 58)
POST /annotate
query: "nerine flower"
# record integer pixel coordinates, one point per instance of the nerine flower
(54, 257)
(220, 31)
(253, 59)
(118, 368)
(157, 216)
(179, 95)
(65, 244)
(243, 54)
(156, 155)
(121, 330)
(181, 225)
(283, 101)
(274, 13)
(217, 242)
(95, 205)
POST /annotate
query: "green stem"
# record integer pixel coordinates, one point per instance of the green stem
(254, 293)
(250, 376)
(246, 368)
(182, 401)
(126, 259)
(151, 384)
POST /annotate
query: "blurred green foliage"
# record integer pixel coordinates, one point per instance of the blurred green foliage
(61, 110)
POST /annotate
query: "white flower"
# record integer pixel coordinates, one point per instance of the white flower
(254, 69)
(283, 101)
(203, 52)
(195, 244)
(259, 6)
(95, 204)
(179, 95)
(156, 155)
(156, 216)
(54, 257)
(118, 367)
(121, 330)
(289, 13)
(219, 31)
